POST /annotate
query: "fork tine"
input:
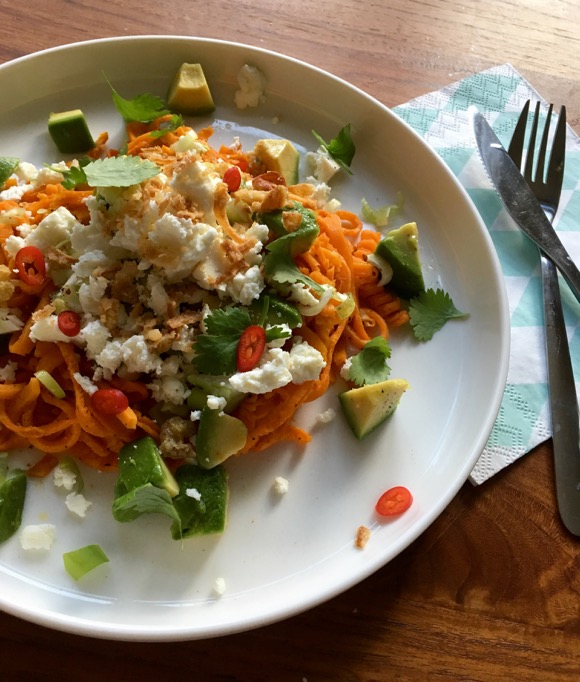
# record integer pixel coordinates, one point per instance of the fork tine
(516, 146)
(539, 177)
(529, 167)
(558, 153)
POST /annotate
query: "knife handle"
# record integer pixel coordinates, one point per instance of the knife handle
(561, 258)
(563, 402)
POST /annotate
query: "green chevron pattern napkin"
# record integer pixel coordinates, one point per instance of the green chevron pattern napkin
(441, 119)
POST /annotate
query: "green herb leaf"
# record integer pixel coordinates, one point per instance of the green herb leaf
(208, 514)
(8, 165)
(119, 171)
(81, 561)
(72, 177)
(143, 108)
(369, 366)
(12, 496)
(341, 147)
(146, 499)
(215, 351)
(429, 311)
(277, 332)
(168, 126)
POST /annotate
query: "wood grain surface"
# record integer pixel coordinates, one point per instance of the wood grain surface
(491, 591)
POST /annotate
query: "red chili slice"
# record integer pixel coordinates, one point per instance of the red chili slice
(394, 501)
(109, 401)
(69, 322)
(233, 178)
(250, 347)
(31, 265)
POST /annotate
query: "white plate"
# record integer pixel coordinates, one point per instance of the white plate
(279, 555)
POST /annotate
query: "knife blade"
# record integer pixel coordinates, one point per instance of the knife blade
(519, 200)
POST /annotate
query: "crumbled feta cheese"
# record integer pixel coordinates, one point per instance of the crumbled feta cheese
(137, 356)
(194, 493)
(196, 182)
(53, 230)
(91, 293)
(46, 329)
(8, 372)
(219, 587)
(246, 286)
(345, 369)
(306, 363)
(189, 143)
(77, 504)
(215, 402)
(95, 335)
(252, 84)
(326, 416)
(321, 165)
(85, 383)
(13, 244)
(169, 390)
(26, 172)
(39, 536)
(195, 415)
(278, 367)
(281, 485)
(64, 477)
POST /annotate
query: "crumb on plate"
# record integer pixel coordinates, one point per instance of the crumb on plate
(362, 537)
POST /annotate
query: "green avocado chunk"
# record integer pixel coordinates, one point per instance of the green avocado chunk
(202, 501)
(70, 132)
(189, 92)
(401, 249)
(297, 241)
(140, 462)
(280, 156)
(368, 406)
(219, 436)
(204, 385)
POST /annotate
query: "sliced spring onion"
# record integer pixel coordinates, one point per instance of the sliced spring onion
(346, 308)
(81, 561)
(383, 266)
(50, 383)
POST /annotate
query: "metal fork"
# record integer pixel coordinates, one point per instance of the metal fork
(563, 399)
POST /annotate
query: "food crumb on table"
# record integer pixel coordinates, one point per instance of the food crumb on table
(362, 537)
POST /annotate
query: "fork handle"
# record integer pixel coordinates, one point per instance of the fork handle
(563, 402)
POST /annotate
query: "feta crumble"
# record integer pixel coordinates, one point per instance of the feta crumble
(252, 84)
(38, 536)
(77, 504)
(281, 485)
(326, 416)
(194, 493)
(64, 478)
(219, 587)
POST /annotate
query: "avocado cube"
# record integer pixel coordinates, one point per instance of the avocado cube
(280, 156)
(400, 248)
(189, 92)
(368, 406)
(70, 132)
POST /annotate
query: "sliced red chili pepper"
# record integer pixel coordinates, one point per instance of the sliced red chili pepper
(233, 178)
(110, 401)
(250, 347)
(394, 501)
(31, 265)
(69, 322)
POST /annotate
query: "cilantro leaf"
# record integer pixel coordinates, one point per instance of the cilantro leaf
(113, 171)
(429, 311)
(8, 165)
(215, 351)
(168, 126)
(277, 332)
(341, 147)
(143, 108)
(369, 366)
(145, 499)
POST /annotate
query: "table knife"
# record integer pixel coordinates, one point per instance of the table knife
(519, 200)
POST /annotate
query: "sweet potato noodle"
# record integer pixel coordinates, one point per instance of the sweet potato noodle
(31, 416)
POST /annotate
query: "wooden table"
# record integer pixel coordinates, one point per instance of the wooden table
(491, 591)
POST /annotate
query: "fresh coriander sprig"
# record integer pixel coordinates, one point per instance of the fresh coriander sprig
(143, 108)
(8, 165)
(369, 366)
(341, 148)
(113, 171)
(429, 311)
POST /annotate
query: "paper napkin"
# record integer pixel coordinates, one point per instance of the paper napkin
(441, 119)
